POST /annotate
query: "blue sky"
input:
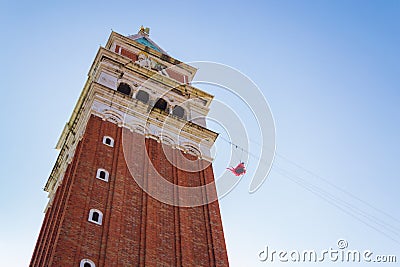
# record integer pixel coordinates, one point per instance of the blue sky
(329, 69)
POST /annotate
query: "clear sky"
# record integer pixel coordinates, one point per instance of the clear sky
(330, 71)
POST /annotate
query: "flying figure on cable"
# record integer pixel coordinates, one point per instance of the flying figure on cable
(238, 170)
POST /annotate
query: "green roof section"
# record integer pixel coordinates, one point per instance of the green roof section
(144, 41)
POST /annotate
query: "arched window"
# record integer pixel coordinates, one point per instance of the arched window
(179, 112)
(161, 104)
(87, 263)
(108, 141)
(102, 175)
(124, 88)
(95, 216)
(142, 96)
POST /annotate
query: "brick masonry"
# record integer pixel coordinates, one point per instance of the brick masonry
(137, 230)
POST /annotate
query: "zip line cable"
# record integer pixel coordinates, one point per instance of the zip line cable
(338, 188)
(342, 190)
(319, 177)
(339, 207)
(330, 198)
(349, 206)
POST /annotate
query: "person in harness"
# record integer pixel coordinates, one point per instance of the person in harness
(239, 169)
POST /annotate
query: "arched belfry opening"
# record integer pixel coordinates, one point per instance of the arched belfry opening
(142, 96)
(161, 104)
(179, 112)
(124, 88)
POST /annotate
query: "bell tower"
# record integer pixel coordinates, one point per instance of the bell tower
(133, 184)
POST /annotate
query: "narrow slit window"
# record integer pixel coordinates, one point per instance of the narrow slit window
(108, 141)
(102, 175)
(95, 216)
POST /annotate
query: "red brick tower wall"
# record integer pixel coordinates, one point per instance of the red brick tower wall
(136, 230)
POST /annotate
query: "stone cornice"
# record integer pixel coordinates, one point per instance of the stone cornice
(133, 107)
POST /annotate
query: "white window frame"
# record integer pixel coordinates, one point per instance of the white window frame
(108, 137)
(100, 216)
(106, 176)
(87, 261)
